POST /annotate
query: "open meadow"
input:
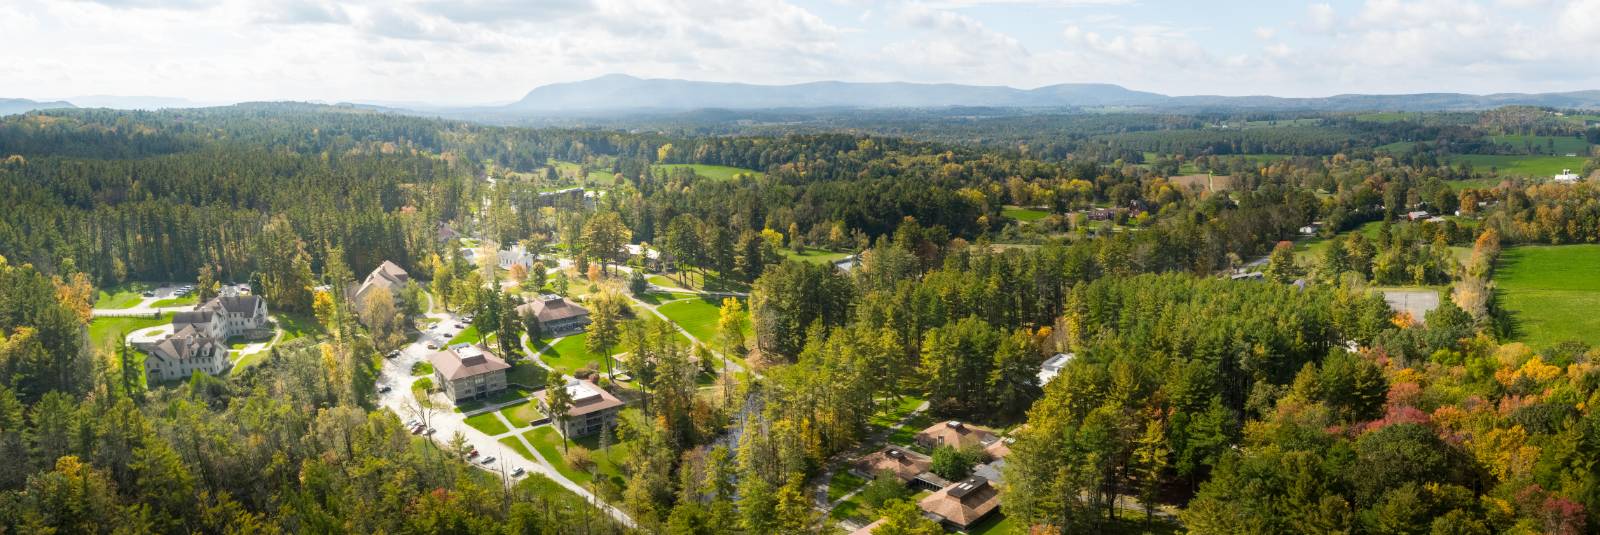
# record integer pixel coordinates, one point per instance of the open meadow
(1551, 293)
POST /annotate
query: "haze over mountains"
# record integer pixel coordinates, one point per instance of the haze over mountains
(614, 94)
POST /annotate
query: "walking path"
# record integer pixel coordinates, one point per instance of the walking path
(396, 374)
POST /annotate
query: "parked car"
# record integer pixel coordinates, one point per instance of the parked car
(518, 472)
(392, 354)
(473, 453)
(488, 460)
(430, 431)
(412, 422)
(460, 326)
(385, 389)
(432, 345)
(416, 429)
(149, 294)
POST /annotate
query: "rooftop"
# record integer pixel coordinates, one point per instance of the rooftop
(461, 361)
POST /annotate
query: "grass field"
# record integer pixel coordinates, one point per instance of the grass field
(1024, 215)
(176, 302)
(527, 374)
(121, 296)
(1528, 166)
(569, 170)
(421, 369)
(698, 316)
(103, 332)
(548, 442)
(1542, 144)
(488, 423)
(520, 414)
(514, 444)
(842, 483)
(693, 280)
(297, 326)
(568, 354)
(713, 172)
(1311, 249)
(813, 255)
(1551, 293)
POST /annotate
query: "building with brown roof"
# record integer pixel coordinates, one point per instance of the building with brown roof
(468, 371)
(956, 435)
(593, 409)
(903, 463)
(556, 315)
(867, 529)
(962, 505)
(387, 277)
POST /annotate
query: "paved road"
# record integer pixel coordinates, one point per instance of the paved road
(396, 374)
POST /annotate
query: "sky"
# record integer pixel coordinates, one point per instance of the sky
(456, 52)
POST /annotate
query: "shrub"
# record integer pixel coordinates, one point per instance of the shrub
(886, 487)
(579, 458)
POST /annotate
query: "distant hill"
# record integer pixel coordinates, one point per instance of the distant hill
(118, 102)
(621, 92)
(12, 106)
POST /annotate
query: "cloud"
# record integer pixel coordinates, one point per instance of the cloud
(1264, 33)
(1320, 17)
(1580, 19)
(304, 12)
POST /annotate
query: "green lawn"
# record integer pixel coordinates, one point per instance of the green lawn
(520, 414)
(246, 361)
(1310, 249)
(1024, 215)
(527, 374)
(1526, 166)
(121, 296)
(548, 442)
(297, 325)
(176, 302)
(104, 332)
(714, 172)
(422, 369)
(515, 444)
(468, 335)
(488, 423)
(813, 255)
(842, 483)
(887, 415)
(906, 435)
(568, 354)
(698, 316)
(1551, 293)
(656, 298)
(695, 281)
(997, 524)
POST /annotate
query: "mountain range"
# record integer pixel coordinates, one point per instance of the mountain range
(617, 94)
(621, 92)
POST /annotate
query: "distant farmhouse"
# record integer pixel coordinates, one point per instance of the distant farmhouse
(1567, 177)
(388, 277)
(468, 371)
(556, 315)
(199, 337)
(593, 409)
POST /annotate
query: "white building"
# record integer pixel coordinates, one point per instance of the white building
(1567, 177)
(199, 336)
(1052, 367)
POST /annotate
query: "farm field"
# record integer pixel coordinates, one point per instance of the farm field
(813, 255)
(1543, 144)
(1024, 215)
(1551, 293)
(714, 172)
(1529, 166)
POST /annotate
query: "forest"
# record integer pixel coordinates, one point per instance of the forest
(1234, 365)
